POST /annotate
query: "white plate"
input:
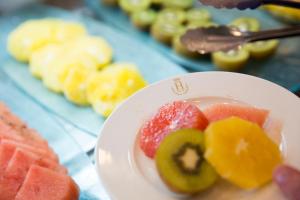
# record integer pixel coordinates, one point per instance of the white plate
(127, 174)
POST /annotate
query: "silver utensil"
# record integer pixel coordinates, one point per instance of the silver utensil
(225, 38)
(252, 4)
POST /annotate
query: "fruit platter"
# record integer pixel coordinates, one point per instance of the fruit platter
(200, 138)
(265, 62)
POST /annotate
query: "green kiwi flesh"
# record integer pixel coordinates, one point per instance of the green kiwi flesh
(180, 162)
(246, 24)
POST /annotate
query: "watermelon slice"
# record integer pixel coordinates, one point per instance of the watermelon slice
(221, 111)
(16, 170)
(170, 117)
(6, 152)
(10, 134)
(38, 151)
(42, 183)
(21, 129)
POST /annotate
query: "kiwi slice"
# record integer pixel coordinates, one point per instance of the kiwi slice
(197, 24)
(171, 15)
(130, 6)
(198, 14)
(246, 24)
(232, 60)
(262, 49)
(143, 19)
(182, 4)
(164, 32)
(181, 164)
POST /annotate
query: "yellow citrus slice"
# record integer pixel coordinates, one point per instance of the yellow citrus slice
(241, 152)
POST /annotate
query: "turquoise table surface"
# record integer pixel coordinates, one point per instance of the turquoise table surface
(283, 68)
(152, 64)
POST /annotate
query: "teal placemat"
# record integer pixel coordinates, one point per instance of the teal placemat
(152, 65)
(283, 68)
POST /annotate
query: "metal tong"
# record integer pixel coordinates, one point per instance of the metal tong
(224, 38)
(251, 4)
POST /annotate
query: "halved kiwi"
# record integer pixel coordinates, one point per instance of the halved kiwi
(143, 19)
(171, 15)
(198, 14)
(232, 60)
(246, 24)
(130, 6)
(182, 4)
(181, 164)
(164, 32)
(262, 49)
(201, 24)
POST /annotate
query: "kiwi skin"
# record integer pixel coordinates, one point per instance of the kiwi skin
(172, 175)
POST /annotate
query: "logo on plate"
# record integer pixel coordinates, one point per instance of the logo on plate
(179, 87)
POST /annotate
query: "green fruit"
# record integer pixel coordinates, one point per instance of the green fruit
(198, 24)
(164, 32)
(157, 2)
(232, 60)
(171, 15)
(246, 24)
(262, 49)
(198, 14)
(110, 2)
(130, 6)
(143, 19)
(182, 4)
(180, 162)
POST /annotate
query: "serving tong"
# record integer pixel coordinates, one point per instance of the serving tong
(251, 4)
(225, 38)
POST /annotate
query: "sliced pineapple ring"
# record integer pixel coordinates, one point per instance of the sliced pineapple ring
(34, 34)
(27, 38)
(115, 83)
(74, 86)
(57, 71)
(96, 47)
(241, 152)
(43, 57)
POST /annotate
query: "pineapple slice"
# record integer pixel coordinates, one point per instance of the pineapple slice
(74, 86)
(44, 57)
(67, 31)
(114, 84)
(55, 74)
(27, 38)
(34, 34)
(241, 152)
(96, 47)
